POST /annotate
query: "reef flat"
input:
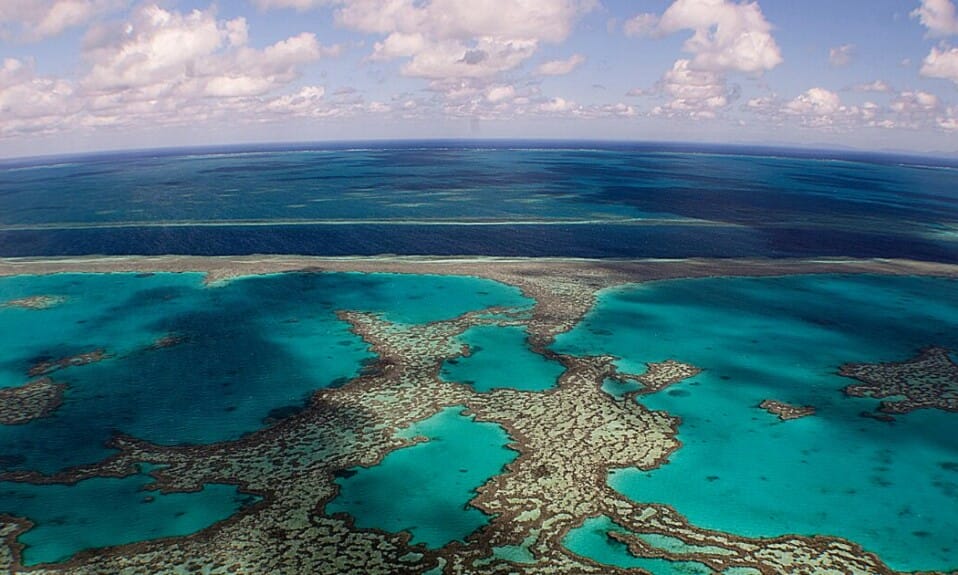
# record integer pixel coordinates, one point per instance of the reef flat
(786, 411)
(568, 439)
(38, 398)
(928, 381)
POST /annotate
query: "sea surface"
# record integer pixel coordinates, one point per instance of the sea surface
(487, 198)
(190, 363)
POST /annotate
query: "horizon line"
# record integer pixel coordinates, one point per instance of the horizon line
(808, 151)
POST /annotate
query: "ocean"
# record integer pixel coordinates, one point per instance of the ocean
(498, 199)
(391, 415)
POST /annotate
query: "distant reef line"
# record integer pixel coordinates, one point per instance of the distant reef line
(601, 272)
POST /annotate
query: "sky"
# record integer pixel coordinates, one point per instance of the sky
(85, 75)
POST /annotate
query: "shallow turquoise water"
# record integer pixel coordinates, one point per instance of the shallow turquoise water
(486, 370)
(425, 488)
(102, 512)
(251, 348)
(590, 540)
(891, 488)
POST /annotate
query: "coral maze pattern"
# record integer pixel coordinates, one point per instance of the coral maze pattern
(568, 439)
(929, 381)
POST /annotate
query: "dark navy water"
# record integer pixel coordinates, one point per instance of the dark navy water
(503, 199)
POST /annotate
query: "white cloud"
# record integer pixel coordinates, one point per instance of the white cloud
(164, 67)
(817, 101)
(641, 25)
(915, 101)
(913, 109)
(698, 93)
(498, 94)
(444, 40)
(876, 86)
(817, 107)
(939, 16)
(941, 62)
(170, 54)
(297, 4)
(841, 55)
(560, 67)
(305, 102)
(38, 19)
(557, 105)
(726, 35)
(31, 104)
(949, 121)
(823, 109)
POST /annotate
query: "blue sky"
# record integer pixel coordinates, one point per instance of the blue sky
(78, 75)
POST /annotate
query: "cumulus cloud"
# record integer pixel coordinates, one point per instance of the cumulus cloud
(841, 55)
(817, 107)
(166, 53)
(941, 62)
(695, 92)
(877, 86)
(31, 104)
(641, 25)
(560, 67)
(815, 101)
(444, 40)
(557, 105)
(297, 4)
(938, 16)
(949, 120)
(164, 67)
(913, 109)
(823, 109)
(38, 19)
(497, 94)
(727, 37)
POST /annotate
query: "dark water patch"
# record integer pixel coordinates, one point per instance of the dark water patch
(278, 414)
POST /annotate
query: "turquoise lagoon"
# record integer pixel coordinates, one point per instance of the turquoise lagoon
(250, 347)
(590, 540)
(892, 488)
(425, 489)
(485, 369)
(71, 518)
(252, 350)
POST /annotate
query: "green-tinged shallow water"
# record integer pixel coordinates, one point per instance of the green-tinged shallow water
(102, 512)
(425, 489)
(500, 358)
(892, 488)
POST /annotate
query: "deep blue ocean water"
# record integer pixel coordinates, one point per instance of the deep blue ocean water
(254, 349)
(507, 199)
